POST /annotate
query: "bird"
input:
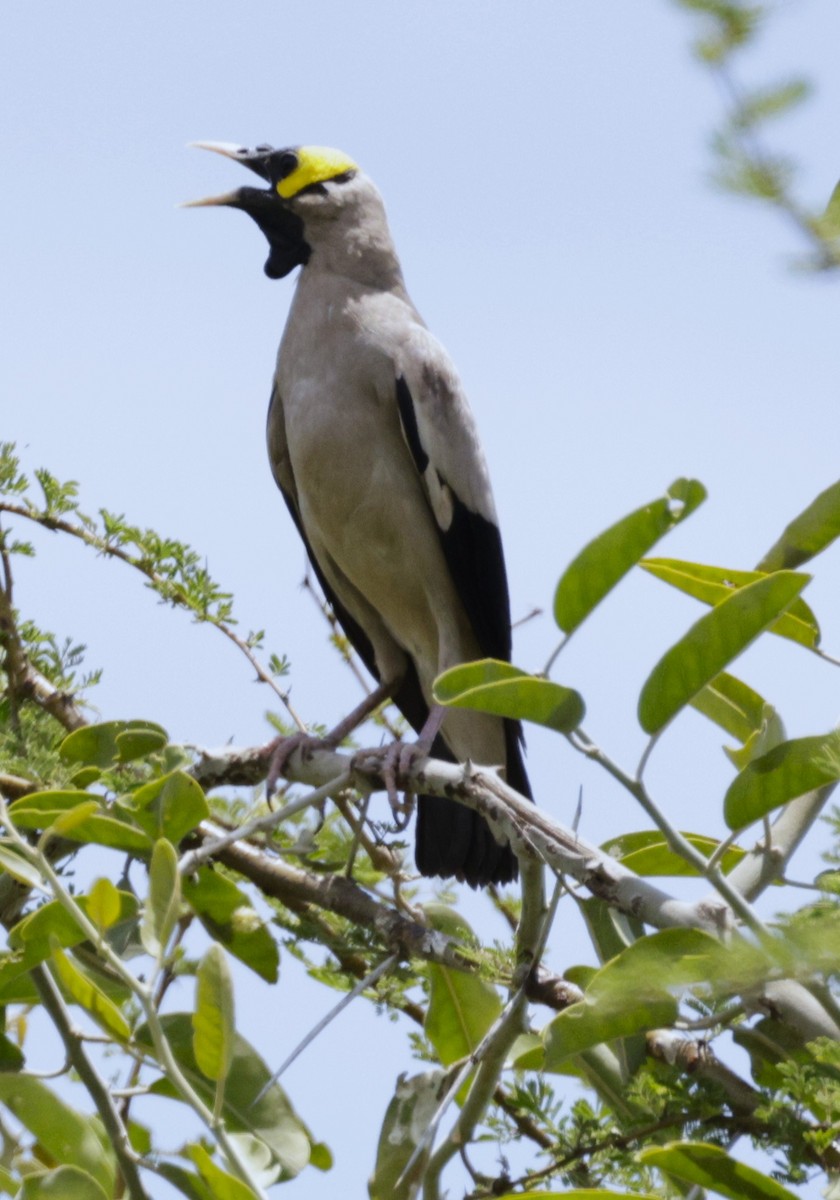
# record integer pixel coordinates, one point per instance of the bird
(374, 447)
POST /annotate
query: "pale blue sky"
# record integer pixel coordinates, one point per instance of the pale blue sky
(617, 323)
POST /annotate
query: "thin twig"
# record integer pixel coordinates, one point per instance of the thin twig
(263, 824)
(360, 987)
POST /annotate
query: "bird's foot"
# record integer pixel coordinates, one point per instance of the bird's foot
(281, 750)
(394, 762)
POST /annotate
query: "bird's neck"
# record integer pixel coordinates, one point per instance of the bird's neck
(363, 256)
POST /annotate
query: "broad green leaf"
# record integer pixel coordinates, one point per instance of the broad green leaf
(8, 1183)
(816, 526)
(168, 807)
(164, 899)
(224, 1185)
(139, 743)
(830, 219)
(732, 705)
(187, 1183)
(407, 1118)
(588, 1023)
(770, 733)
(213, 1019)
(272, 1118)
(462, 1007)
(32, 934)
(787, 771)
(647, 853)
(229, 917)
(709, 1166)
(99, 745)
(103, 903)
(69, 822)
(260, 1162)
(21, 870)
(11, 1055)
(64, 1183)
(713, 585)
(68, 1137)
(711, 643)
(610, 931)
(497, 687)
(84, 991)
(608, 558)
(85, 776)
(40, 810)
(632, 993)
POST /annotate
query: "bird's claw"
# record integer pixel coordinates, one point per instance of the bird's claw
(282, 749)
(393, 762)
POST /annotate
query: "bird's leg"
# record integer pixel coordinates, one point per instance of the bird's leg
(400, 758)
(282, 748)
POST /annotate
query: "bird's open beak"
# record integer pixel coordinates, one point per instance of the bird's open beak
(284, 230)
(255, 160)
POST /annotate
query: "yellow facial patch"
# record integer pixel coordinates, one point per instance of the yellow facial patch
(316, 164)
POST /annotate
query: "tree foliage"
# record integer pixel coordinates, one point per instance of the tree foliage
(193, 875)
(645, 1027)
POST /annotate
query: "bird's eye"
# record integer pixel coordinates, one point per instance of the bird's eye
(345, 177)
(281, 164)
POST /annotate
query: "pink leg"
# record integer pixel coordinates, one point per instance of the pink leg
(282, 748)
(399, 757)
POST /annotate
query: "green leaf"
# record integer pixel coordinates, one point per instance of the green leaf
(229, 917)
(462, 1007)
(163, 903)
(84, 991)
(11, 1055)
(713, 585)
(66, 824)
(608, 558)
(67, 1137)
(189, 1185)
(647, 853)
(32, 934)
(213, 1019)
(785, 772)
(816, 526)
(99, 745)
(497, 687)
(632, 993)
(272, 1118)
(732, 705)
(407, 1118)
(65, 1183)
(770, 733)
(40, 810)
(708, 1166)
(224, 1185)
(103, 903)
(830, 220)
(21, 870)
(711, 643)
(168, 807)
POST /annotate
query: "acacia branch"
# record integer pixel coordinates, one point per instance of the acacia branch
(534, 835)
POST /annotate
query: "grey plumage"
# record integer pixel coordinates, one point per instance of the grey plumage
(374, 447)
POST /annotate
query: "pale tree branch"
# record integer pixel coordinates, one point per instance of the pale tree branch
(96, 1087)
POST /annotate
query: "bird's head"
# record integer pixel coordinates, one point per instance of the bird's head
(310, 188)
